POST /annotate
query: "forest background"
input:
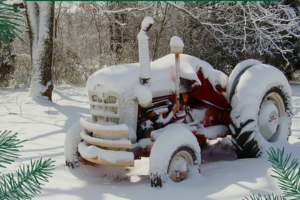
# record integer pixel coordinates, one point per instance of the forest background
(88, 36)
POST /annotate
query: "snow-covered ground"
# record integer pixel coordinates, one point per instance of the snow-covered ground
(45, 125)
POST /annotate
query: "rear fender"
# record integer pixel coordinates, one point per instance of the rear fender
(237, 72)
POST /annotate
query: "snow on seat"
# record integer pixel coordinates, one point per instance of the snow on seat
(125, 77)
(123, 143)
(119, 129)
(105, 157)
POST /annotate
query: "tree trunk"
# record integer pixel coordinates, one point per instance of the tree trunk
(40, 19)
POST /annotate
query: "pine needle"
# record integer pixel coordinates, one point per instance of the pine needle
(28, 182)
(288, 176)
(8, 145)
(269, 197)
(8, 29)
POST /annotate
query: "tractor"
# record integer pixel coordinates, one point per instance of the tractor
(167, 108)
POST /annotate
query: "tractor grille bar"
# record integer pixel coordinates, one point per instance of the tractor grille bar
(105, 110)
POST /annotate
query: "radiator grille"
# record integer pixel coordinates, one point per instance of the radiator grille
(109, 106)
(99, 118)
(113, 119)
(111, 99)
(95, 98)
(112, 109)
(98, 107)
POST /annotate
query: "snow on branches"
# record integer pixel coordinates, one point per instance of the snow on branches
(98, 8)
(264, 26)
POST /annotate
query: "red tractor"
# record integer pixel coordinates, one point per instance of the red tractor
(165, 109)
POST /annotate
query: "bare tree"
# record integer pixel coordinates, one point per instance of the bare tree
(263, 26)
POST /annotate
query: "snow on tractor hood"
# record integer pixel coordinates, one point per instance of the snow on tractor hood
(125, 77)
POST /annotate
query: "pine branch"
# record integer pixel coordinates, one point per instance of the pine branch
(269, 197)
(8, 29)
(28, 181)
(288, 176)
(8, 145)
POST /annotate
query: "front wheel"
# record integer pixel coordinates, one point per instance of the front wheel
(261, 111)
(181, 159)
(174, 151)
(72, 140)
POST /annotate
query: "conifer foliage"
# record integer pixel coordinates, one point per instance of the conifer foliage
(269, 197)
(28, 179)
(8, 145)
(288, 176)
(8, 28)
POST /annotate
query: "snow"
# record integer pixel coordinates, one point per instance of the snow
(247, 99)
(178, 165)
(156, 133)
(40, 32)
(291, 12)
(198, 113)
(144, 55)
(212, 132)
(164, 147)
(108, 155)
(145, 99)
(268, 119)
(159, 110)
(146, 22)
(144, 49)
(45, 126)
(239, 68)
(88, 124)
(143, 143)
(99, 141)
(166, 120)
(72, 140)
(125, 77)
(13, 2)
(176, 45)
(176, 42)
(253, 93)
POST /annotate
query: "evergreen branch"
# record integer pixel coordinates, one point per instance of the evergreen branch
(288, 176)
(8, 145)
(28, 181)
(269, 197)
(8, 29)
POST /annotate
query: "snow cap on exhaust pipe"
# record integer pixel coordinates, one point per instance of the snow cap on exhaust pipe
(177, 45)
(145, 73)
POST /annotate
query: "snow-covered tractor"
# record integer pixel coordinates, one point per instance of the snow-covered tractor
(165, 109)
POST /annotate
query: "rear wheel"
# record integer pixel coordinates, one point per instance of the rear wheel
(261, 111)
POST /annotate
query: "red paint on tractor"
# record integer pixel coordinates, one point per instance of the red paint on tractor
(209, 94)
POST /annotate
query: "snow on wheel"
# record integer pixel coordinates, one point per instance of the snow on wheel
(72, 140)
(174, 151)
(261, 110)
(182, 158)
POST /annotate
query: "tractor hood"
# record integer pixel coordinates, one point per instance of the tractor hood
(125, 77)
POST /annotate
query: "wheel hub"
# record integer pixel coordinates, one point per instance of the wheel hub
(179, 166)
(178, 169)
(268, 119)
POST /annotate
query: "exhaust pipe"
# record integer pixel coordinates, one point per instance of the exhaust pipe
(145, 73)
(177, 48)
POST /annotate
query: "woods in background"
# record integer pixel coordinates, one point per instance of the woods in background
(90, 35)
